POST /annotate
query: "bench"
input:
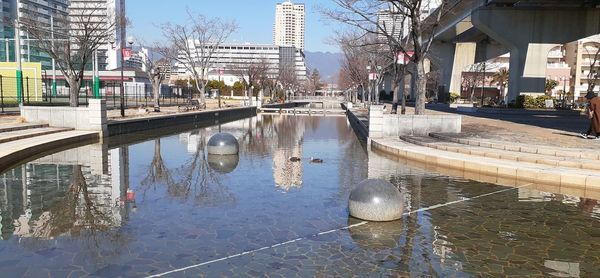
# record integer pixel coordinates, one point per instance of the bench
(193, 104)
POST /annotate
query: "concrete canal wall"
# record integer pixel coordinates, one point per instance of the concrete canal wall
(203, 118)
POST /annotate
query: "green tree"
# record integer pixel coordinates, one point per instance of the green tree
(238, 88)
(501, 78)
(550, 85)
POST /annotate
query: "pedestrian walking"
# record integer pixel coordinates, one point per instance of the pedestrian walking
(593, 112)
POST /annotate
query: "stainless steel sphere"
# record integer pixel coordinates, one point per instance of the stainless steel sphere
(375, 200)
(223, 163)
(223, 144)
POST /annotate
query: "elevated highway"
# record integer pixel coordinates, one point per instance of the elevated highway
(473, 31)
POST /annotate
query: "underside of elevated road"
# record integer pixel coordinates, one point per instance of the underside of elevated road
(473, 31)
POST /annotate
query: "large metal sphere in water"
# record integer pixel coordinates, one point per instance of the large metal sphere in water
(375, 200)
(223, 163)
(223, 144)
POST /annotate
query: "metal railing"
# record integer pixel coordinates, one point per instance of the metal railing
(39, 91)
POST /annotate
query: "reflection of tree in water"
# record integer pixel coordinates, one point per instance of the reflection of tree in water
(157, 171)
(89, 217)
(193, 180)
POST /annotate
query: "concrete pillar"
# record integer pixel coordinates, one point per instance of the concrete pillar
(452, 60)
(464, 55)
(97, 116)
(527, 70)
(375, 121)
(530, 34)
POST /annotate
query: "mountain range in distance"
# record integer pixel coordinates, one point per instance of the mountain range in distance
(327, 63)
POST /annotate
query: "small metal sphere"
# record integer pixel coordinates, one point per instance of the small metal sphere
(223, 144)
(375, 200)
(223, 163)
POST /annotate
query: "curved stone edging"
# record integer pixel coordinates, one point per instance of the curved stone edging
(24, 149)
(525, 172)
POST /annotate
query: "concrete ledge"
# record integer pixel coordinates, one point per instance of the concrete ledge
(117, 127)
(523, 148)
(14, 152)
(492, 168)
(361, 130)
(92, 117)
(548, 158)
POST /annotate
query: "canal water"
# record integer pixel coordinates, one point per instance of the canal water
(144, 205)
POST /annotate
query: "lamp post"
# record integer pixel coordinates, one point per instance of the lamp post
(375, 85)
(369, 83)
(122, 46)
(482, 84)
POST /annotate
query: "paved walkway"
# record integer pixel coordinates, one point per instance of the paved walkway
(540, 147)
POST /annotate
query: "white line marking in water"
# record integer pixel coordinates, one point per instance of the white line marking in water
(326, 232)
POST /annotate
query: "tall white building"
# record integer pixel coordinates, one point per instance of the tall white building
(392, 23)
(289, 25)
(106, 12)
(231, 59)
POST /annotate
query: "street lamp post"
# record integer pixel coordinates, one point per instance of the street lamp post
(369, 83)
(122, 44)
(482, 84)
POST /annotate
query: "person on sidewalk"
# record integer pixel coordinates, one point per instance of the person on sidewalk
(593, 111)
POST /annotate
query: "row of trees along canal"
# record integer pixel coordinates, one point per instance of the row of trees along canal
(370, 41)
(72, 42)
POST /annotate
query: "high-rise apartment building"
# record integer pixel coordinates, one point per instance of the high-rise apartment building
(288, 29)
(41, 12)
(59, 12)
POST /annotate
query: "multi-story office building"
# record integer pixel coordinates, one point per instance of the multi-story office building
(230, 61)
(42, 13)
(289, 25)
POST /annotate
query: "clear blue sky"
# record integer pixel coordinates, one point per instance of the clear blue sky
(254, 17)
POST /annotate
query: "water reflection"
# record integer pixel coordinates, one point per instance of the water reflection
(76, 210)
(223, 164)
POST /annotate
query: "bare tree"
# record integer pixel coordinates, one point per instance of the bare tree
(156, 71)
(354, 65)
(194, 45)
(73, 41)
(253, 73)
(288, 80)
(363, 15)
(471, 78)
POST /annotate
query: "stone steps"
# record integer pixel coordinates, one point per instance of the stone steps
(570, 162)
(25, 149)
(521, 147)
(534, 173)
(15, 127)
(9, 136)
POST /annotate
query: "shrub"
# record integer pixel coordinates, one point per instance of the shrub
(454, 97)
(535, 102)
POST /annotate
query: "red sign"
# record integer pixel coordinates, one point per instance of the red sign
(403, 59)
(372, 76)
(126, 53)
